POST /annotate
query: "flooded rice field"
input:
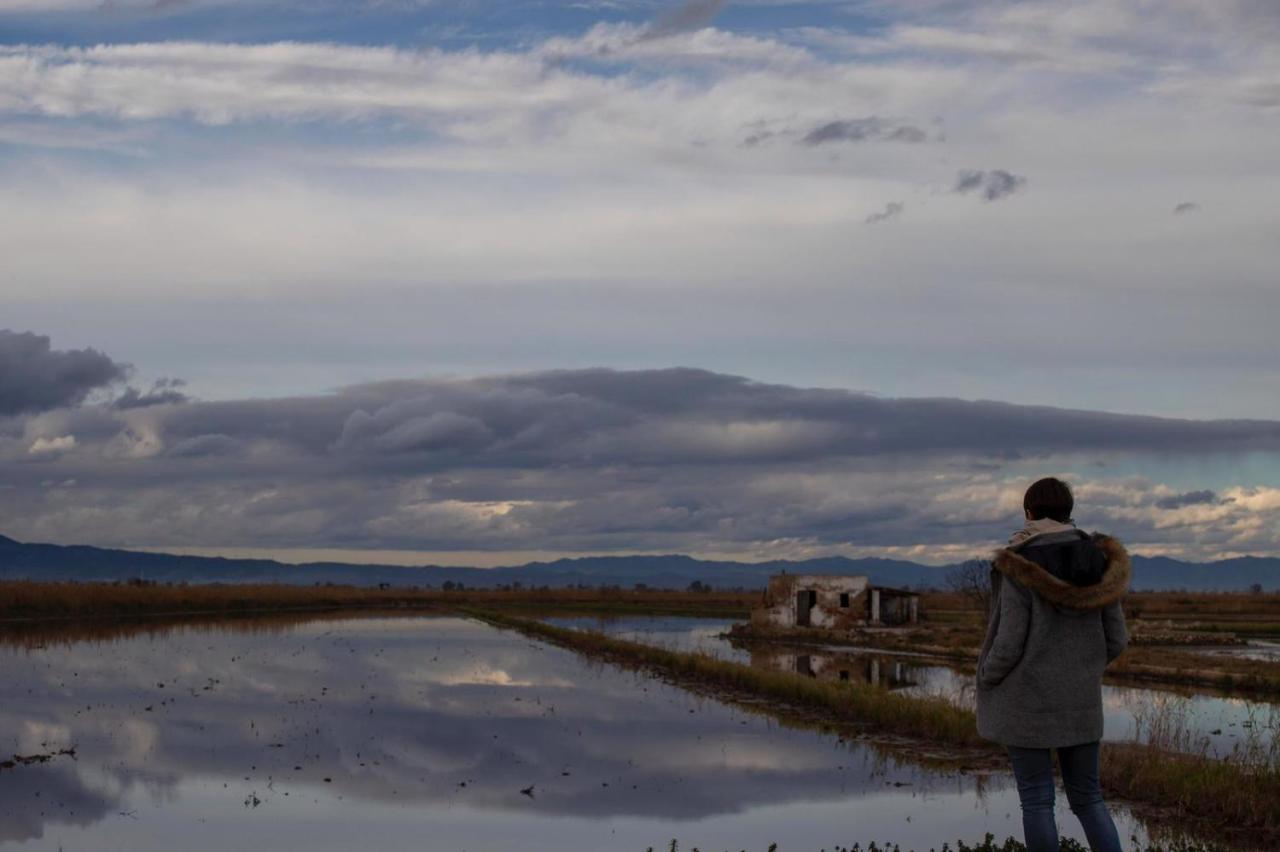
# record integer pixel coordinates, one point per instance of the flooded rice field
(1217, 723)
(431, 733)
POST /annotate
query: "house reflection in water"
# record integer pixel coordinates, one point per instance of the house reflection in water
(873, 669)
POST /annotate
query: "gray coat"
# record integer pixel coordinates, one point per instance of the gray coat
(1047, 643)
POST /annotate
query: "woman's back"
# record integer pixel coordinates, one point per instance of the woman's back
(1056, 623)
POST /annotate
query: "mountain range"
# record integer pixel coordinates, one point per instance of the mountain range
(29, 561)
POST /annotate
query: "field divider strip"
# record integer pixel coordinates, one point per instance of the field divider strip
(1215, 796)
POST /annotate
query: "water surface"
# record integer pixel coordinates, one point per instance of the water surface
(432, 733)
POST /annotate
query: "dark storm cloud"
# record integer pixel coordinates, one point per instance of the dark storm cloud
(1189, 498)
(35, 377)
(164, 391)
(992, 185)
(690, 15)
(596, 459)
(891, 210)
(868, 129)
(655, 417)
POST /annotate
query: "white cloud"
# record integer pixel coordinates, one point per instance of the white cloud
(592, 197)
(632, 43)
(52, 446)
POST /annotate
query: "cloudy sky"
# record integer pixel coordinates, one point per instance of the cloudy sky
(481, 280)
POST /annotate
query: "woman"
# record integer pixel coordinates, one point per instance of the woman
(1055, 624)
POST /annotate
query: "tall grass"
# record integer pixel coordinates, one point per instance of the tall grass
(25, 599)
(1221, 792)
(863, 705)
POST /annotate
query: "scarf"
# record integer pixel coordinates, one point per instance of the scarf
(1040, 526)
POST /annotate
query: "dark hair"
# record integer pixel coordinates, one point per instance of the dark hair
(1049, 498)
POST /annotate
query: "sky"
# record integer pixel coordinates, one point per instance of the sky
(477, 282)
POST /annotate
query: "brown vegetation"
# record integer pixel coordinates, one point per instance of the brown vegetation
(1176, 766)
(34, 600)
(862, 705)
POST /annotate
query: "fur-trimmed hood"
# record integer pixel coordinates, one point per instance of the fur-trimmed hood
(1111, 588)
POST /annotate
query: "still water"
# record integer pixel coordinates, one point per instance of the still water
(1218, 724)
(431, 734)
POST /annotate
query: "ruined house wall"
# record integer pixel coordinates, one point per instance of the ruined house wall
(825, 611)
(779, 603)
(864, 604)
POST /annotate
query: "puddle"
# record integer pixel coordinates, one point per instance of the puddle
(437, 730)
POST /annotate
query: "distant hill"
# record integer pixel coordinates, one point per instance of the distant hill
(20, 560)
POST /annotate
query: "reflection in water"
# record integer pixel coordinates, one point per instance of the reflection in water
(826, 664)
(1213, 724)
(434, 733)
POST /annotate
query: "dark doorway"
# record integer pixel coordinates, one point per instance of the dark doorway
(804, 602)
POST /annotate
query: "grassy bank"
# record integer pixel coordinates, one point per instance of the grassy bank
(1221, 792)
(1173, 665)
(1231, 795)
(860, 705)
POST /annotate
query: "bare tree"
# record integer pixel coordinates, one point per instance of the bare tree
(972, 579)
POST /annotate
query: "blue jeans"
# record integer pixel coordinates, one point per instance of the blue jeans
(1033, 770)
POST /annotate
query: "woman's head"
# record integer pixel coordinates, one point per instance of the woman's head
(1049, 498)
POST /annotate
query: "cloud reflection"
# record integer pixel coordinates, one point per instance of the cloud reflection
(432, 713)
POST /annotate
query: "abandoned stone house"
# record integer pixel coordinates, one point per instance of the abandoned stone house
(833, 602)
(834, 665)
